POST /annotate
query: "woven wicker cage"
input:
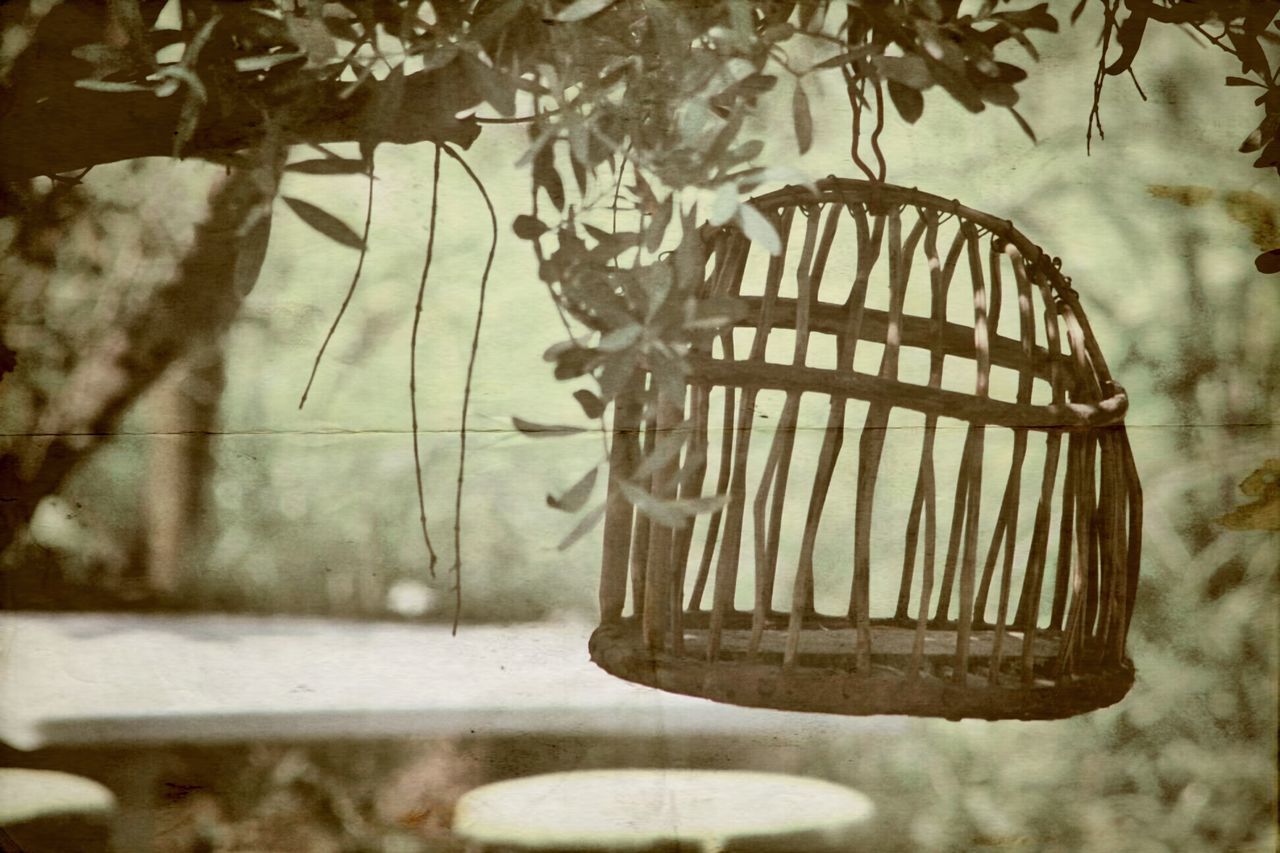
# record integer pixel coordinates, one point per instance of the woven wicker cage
(976, 556)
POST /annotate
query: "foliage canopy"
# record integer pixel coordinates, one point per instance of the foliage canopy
(637, 113)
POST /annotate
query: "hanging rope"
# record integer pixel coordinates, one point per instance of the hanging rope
(466, 393)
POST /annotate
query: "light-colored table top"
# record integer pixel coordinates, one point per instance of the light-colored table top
(643, 809)
(120, 680)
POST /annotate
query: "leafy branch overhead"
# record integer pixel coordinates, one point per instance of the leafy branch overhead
(1247, 31)
(639, 145)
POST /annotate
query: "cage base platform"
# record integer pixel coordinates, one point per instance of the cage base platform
(825, 679)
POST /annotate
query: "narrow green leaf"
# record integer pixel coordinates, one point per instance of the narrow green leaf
(1022, 123)
(327, 166)
(1021, 38)
(801, 118)
(251, 251)
(725, 204)
(1037, 17)
(778, 32)
(690, 256)
(1000, 94)
(111, 86)
(850, 56)
(657, 227)
(694, 458)
(591, 405)
(267, 61)
(696, 506)
(313, 37)
(693, 117)
(576, 497)
(528, 227)
(655, 282)
(546, 176)
(1129, 37)
(611, 243)
(664, 452)
(579, 174)
(960, 88)
(324, 222)
(439, 58)
(909, 102)
(717, 311)
(669, 374)
(580, 10)
(341, 28)
(556, 350)
(1252, 142)
(658, 510)
(908, 70)
(744, 153)
(188, 120)
(575, 362)
(496, 88)
(583, 527)
(620, 339)
(104, 58)
(758, 229)
(496, 20)
(617, 371)
(1010, 73)
(543, 430)
(670, 513)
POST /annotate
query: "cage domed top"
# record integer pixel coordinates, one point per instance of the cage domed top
(931, 506)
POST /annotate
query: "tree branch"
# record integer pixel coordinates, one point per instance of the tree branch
(78, 127)
(1199, 12)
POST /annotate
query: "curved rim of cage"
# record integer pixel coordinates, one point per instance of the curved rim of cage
(879, 196)
(1104, 404)
(831, 687)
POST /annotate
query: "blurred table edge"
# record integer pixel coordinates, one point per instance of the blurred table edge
(91, 679)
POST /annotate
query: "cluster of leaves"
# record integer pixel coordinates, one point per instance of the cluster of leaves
(638, 315)
(667, 85)
(905, 49)
(1247, 30)
(657, 89)
(662, 92)
(289, 61)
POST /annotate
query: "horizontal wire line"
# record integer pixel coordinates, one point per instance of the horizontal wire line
(557, 433)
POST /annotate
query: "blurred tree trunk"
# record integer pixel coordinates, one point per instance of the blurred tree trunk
(193, 310)
(184, 414)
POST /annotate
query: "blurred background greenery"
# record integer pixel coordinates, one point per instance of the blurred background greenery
(313, 510)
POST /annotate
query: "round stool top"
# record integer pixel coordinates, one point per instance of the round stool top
(31, 794)
(638, 809)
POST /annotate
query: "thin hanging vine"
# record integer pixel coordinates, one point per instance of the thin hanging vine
(413, 358)
(467, 386)
(351, 289)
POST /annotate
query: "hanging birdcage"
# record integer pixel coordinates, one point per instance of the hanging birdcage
(976, 555)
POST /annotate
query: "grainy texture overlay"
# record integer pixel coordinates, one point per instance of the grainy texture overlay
(400, 396)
